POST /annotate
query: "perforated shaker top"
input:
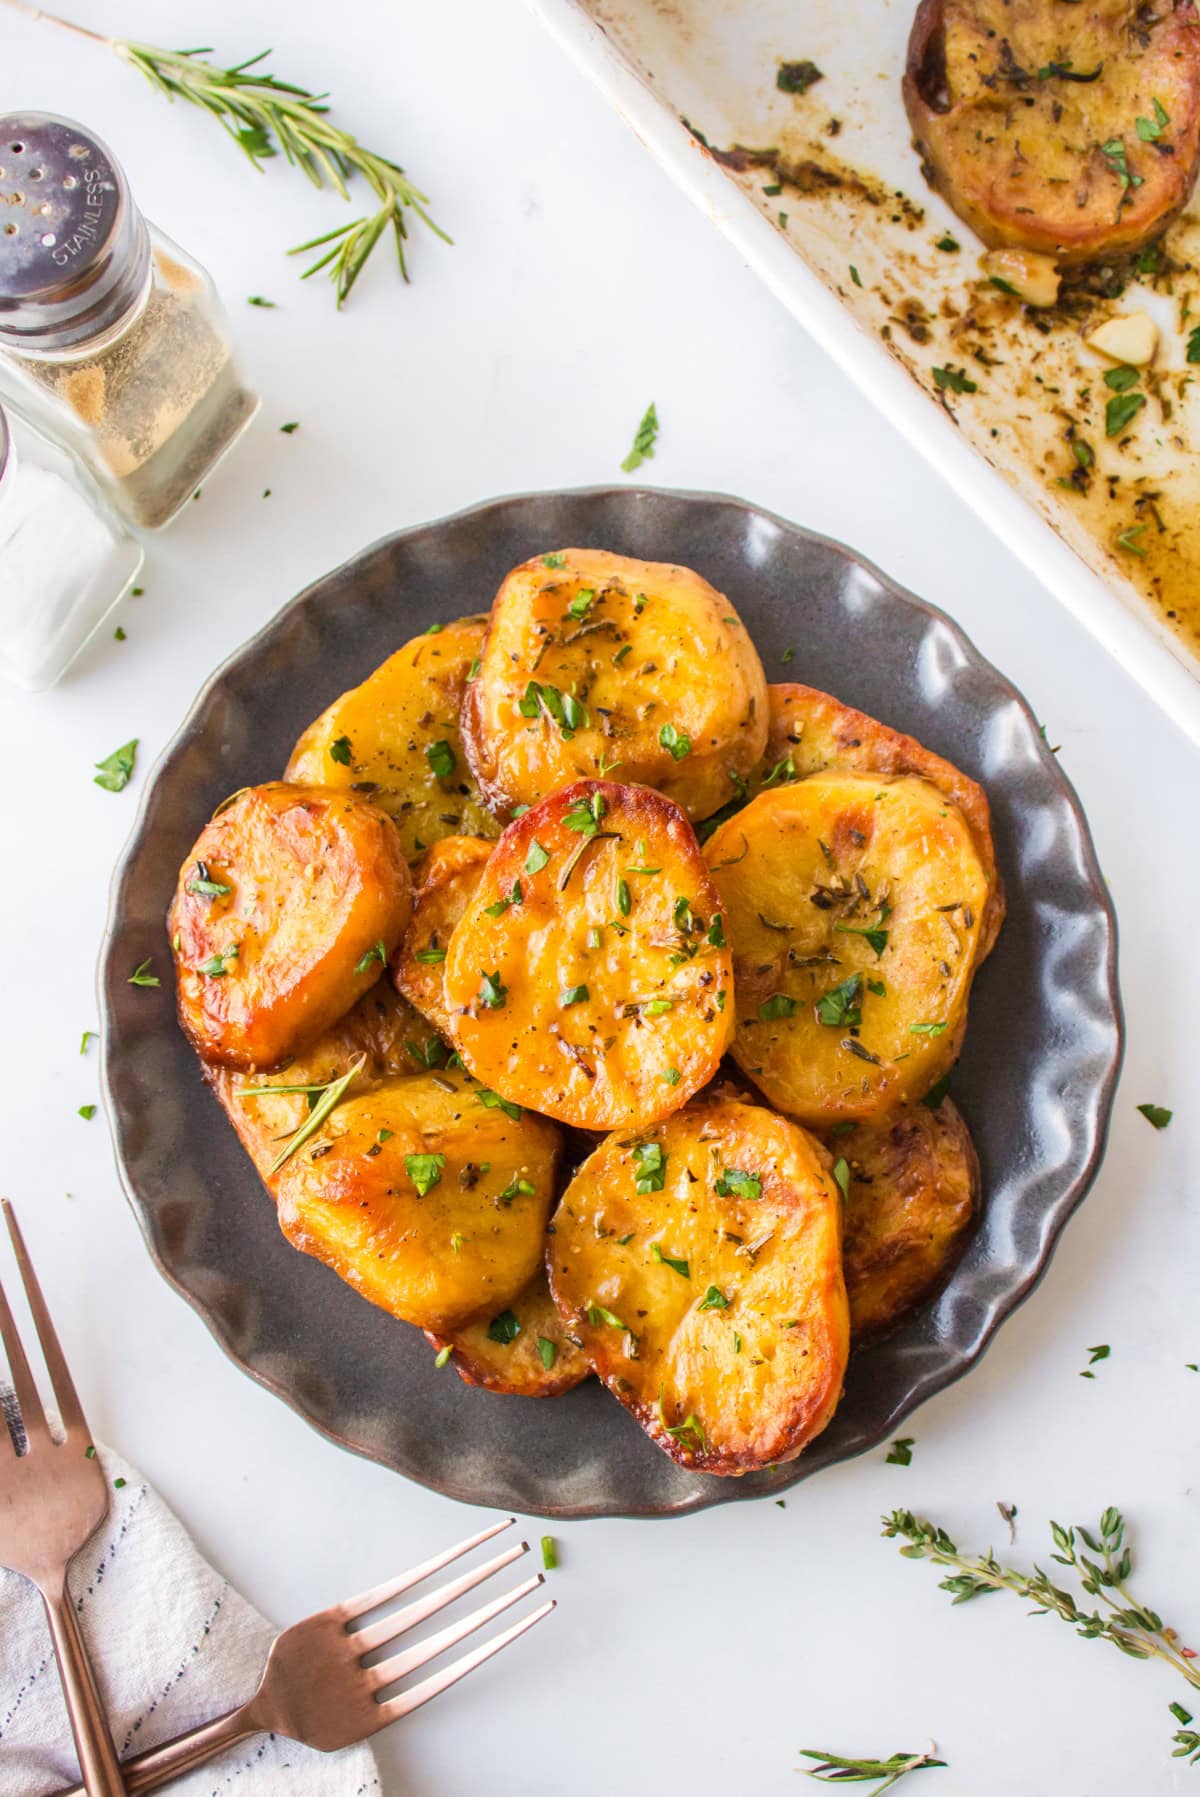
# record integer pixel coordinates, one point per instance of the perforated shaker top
(73, 246)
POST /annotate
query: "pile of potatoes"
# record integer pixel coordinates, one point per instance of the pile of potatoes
(587, 1003)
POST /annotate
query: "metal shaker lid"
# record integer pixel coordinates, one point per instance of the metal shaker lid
(74, 251)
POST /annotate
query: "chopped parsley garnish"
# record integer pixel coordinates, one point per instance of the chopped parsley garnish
(443, 1355)
(1121, 410)
(203, 883)
(562, 708)
(425, 1171)
(1150, 130)
(536, 859)
(875, 935)
(781, 773)
(1115, 155)
(672, 1076)
(504, 1328)
(116, 768)
(937, 1092)
(927, 1029)
(429, 957)
(1153, 1113)
(658, 1007)
(624, 898)
(582, 602)
(1096, 1354)
(736, 1183)
(900, 1453)
(339, 751)
(142, 976)
(842, 1005)
(644, 440)
(798, 77)
(956, 379)
(215, 967)
(677, 742)
(256, 299)
(557, 560)
(89, 1035)
(287, 429)
(376, 953)
(596, 1314)
(1193, 346)
(948, 243)
(841, 1172)
(547, 1351)
(665, 1260)
(683, 917)
(586, 815)
(441, 759)
(650, 1168)
(778, 1005)
(549, 1545)
(573, 995)
(1128, 539)
(492, 991)
(855, 276)
(87, 1112)
(716, 932)
(1121, 378)
(502, 905)
(492, 1101)
(713, 1299)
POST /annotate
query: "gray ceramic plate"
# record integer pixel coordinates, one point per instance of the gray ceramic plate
(1035, 1080)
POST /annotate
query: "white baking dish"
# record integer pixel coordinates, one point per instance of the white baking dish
(712, 63)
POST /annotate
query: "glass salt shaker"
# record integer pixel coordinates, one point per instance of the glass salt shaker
(112, 339)
(64, 559)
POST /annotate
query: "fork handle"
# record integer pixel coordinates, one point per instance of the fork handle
(160, 1765)
(93, 1743)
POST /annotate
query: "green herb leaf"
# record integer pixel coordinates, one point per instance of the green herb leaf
(672, 1076)
(339, 751)
(841, 1172)
(547, 1351)
(425, 1171)
(597, 1315)
(834, 1768)
(797, 77)
(203, 883)
(955, 379)
(713, 1299)
(87, 1112)
(492, 1101)
(142, 976)
(1150, 130)
(586, 815)
(664, 1260)
(644, 441)
(89, 1035)
(492, 991)
(624, 898)
(557, 560)
(1193, 345)
(581, 604)
(116, 768)
(650, 1168)
(900, 1453)
(875, 936)
(573, 995)
(501, 905)
(927, 1029)
(549, 1545)
(733, 1182)
(441, 759)
(256, 299)
(677, 742)
(443, 1355)
(1122, 378)
(216, 967)
(504, 1328)
(428, 957)
(841, 1006)
(377, 953)
(536, 859)
(778, 1005)
(1153, 1113)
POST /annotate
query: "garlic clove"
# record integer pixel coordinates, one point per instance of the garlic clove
(1129, 337)
(1032, 277)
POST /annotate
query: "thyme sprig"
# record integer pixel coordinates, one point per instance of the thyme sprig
(834, 1769)
(266, 117)
(1102, 1561)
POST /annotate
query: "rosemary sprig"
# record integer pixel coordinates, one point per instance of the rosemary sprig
(1103, 1570)
(833, 1769)
(331, 1094)
(265, 117)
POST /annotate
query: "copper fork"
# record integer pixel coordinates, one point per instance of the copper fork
(53, 1496)
(315, 1688)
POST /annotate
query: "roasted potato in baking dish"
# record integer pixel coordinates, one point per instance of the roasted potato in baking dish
(445, 878)
(589, 976)
(594, 661)
(424, 1196)
(912, 1193)
(524, 1351)
(699, 1262)
(810, 731)
(285, 914)
(854, 906)
(1071, 130)
(383, 1030)
(396, 738)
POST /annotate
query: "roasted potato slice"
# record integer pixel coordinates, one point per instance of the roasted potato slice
(854, 906)
(523, 1351)
(285, 914)
(810, 731)
(1072, 131)
(383, 1030)
(426, 1198)
(593, 661)
(910, 1204)
(446, 876)
(396, 738)
(699, 1262)
(588, 976)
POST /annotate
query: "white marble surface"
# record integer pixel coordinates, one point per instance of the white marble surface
(699, 1654)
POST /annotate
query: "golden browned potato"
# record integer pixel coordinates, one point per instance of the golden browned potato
(588, 976)
(425, 1197)
(396, 738)
(383, 1030)
(854, 908)
(912, 1193)
(810, 731)
(286, 912)
(594, 662)
(1072, 130)
(699, 1262)
(524, 1351)
(446, 877)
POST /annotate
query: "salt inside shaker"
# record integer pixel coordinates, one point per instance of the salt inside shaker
(64, 559)
(112, 339)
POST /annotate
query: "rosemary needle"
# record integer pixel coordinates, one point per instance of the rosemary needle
(331, 1095)
(266, 117)
(833, 1768)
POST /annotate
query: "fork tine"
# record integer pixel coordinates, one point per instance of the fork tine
(378, 1634)
(393, 1708)
(69, 1407)
(29, 1405)
(388, 1672)
(382, 1594)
